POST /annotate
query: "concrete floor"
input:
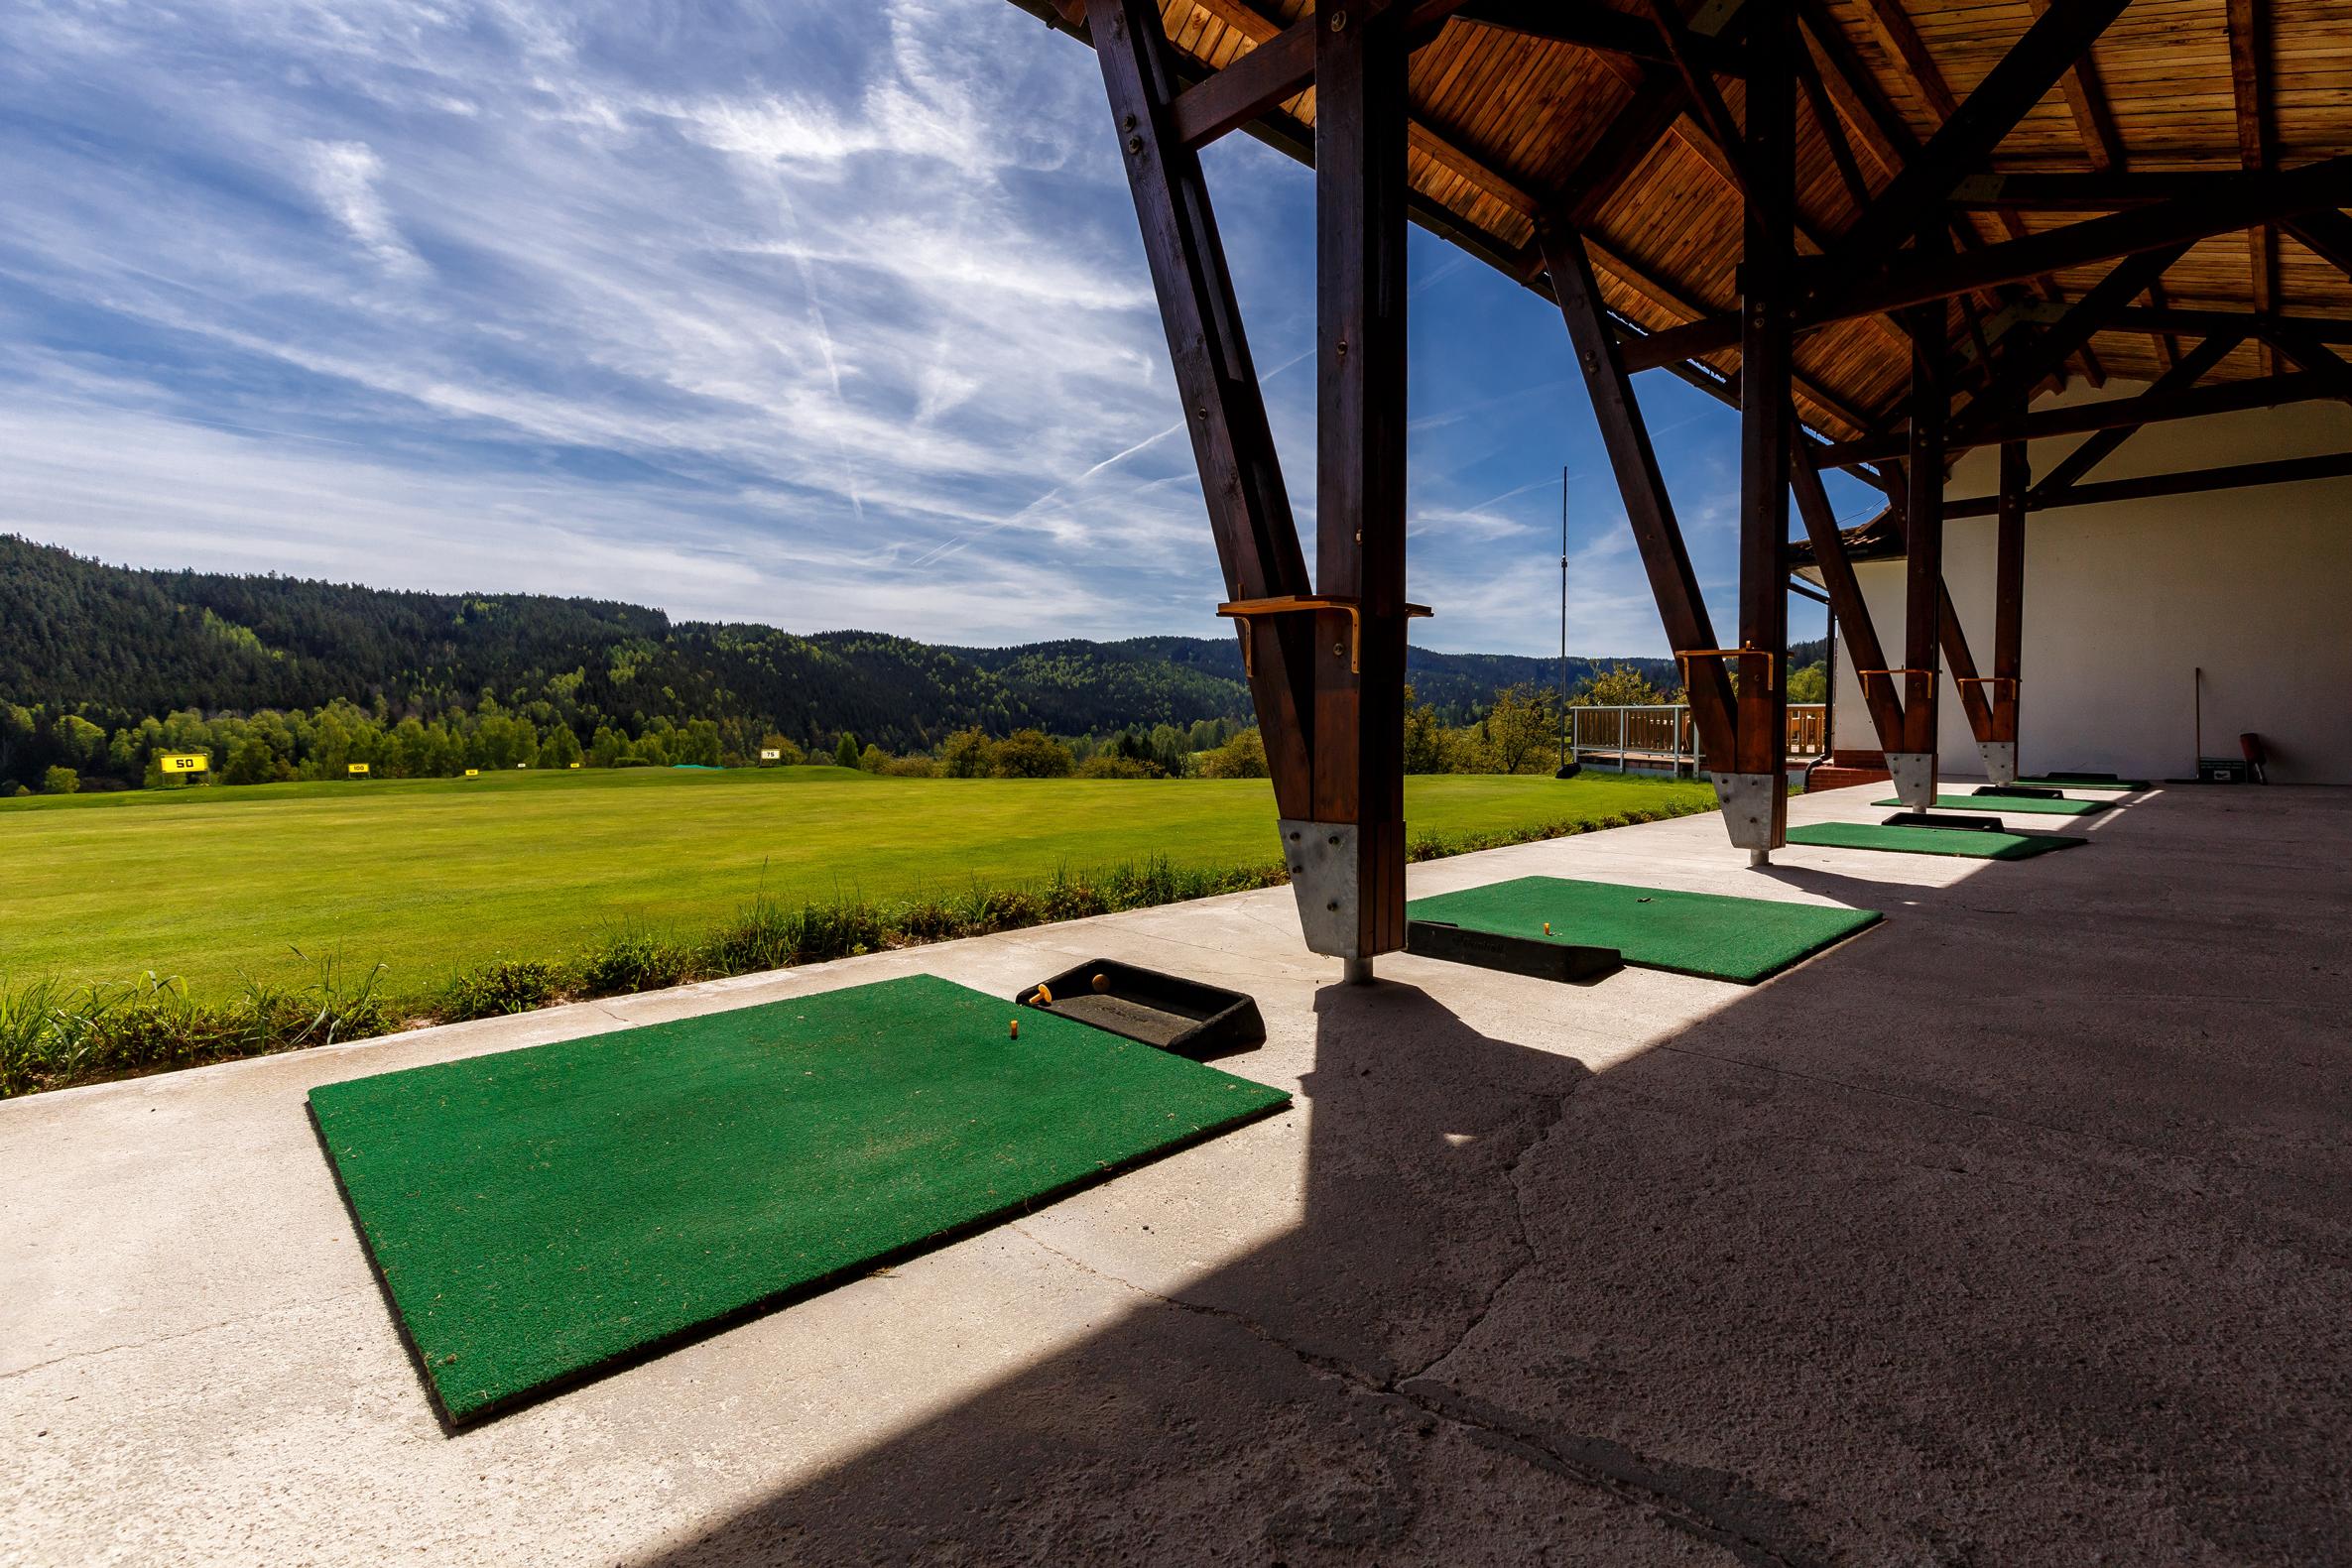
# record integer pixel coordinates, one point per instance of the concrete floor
(2018, 1230)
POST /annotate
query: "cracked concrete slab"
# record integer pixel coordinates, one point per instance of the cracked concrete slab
(2018, 1230)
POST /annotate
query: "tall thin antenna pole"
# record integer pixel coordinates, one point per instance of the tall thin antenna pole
(1565, 718)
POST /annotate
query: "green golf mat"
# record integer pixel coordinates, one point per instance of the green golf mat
(1691, 934)
(2122, 785)
(2010, 804)
(1963, 841)
(538, 1214)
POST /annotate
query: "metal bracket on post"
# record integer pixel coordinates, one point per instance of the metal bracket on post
(2000, 761)
(1322, 861)
(1913, 773)
(1749, 807)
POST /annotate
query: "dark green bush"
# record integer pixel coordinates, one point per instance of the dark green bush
(504, 985)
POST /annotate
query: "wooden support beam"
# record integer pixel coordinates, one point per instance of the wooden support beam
(1833, 128)
(2167, 225)
(1856, 88)
(2100, 193)
(1658, 102)
(1698, 84)
(1598, 28)
(2249, 99)
(1848, 607)
(1960, 664)
(2318, 360)
(2168, 346)
(1224, 411)
(1971, 130)
(2009, 592)
(2329, 234)
(2179, 379)
(2159, 404)
(1647, 508)
(1360, 431)
(2245, 323)
(1767, 421)
(1922, 531)
(2195, 481)
(1269, 75)
(2014, 379)
(2086, 101)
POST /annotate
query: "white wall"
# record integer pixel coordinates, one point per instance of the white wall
(2123, 600)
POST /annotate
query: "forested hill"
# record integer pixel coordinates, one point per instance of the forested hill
(118, 644)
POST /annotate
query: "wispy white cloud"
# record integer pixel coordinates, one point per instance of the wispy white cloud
(825, 313)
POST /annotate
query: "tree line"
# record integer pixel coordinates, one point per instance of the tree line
(106, 668)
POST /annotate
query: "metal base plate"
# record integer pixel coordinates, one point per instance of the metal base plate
(1755, 808)
(1913, 775)
(1568, 962)
(1322, 861)
(2000, 761)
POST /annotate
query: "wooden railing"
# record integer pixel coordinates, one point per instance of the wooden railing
(1661, 737)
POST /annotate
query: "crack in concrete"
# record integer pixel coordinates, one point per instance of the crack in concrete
(1716, 1506)
(161, 1338)
(1555, 1111)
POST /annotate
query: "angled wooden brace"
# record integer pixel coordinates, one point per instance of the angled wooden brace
(1647, 508)
(1880, 693)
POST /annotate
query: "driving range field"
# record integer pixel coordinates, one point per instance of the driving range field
(429, 875)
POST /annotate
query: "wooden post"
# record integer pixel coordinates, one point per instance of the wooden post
(1360, 293)
(1914, 768)
(1249, 509)
(1756, 808)
(2009, 605)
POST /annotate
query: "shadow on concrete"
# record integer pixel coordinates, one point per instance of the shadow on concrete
(1970, 1243)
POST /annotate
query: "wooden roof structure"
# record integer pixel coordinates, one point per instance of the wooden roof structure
(1586, 107)
(1875, 227)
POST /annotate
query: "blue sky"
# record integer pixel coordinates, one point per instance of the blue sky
(823, 314)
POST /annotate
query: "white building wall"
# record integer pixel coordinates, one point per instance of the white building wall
(2125, 600)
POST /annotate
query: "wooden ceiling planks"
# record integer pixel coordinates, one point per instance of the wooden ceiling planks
(1504, 120)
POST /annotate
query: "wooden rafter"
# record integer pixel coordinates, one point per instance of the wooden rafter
(2250, 100)
(2086, 101)
(2182, 378)
(2168, 225)
(2195, 481)
(1969, 131)
(2160, 404)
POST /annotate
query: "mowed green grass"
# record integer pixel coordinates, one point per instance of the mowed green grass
(426, 876)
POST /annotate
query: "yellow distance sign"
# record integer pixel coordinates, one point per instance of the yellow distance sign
(771, 754)
(184, 763)
(473, 772)
(357, 770)
(571, 764)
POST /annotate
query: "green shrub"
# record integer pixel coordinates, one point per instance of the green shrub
(61, 781)
(504, 985)
(632, 959)
(52, 1034)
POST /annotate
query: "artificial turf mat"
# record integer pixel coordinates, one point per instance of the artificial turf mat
(2061, 782)
(541, 1213)
(1691, 934)
(2012, 804)
(1932, 840)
